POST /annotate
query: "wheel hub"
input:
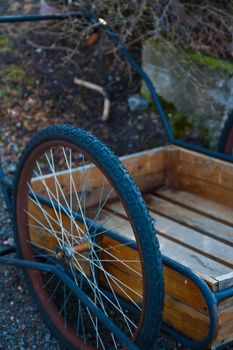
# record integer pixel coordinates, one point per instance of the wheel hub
(67, 252)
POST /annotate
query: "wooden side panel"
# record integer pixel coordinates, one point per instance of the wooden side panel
(147, 168)
(200, 174)
(122, 274)
(184, 290)
(186, 320)
(43, 230)
(185, 307)
(225, 333)
(206, 168)
(205, 189)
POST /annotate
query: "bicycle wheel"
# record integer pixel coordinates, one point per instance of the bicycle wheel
(226, 138)
(75, 206)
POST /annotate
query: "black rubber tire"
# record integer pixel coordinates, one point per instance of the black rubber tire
(131, 196)
(226, 138)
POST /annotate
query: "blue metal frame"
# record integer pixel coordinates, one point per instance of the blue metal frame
(6, 187)
(212, 299)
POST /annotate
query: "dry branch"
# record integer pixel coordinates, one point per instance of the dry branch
(100, 89)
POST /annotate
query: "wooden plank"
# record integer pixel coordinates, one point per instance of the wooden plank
(182, 254)
(225, 281)
(204, 189)
(191, 219)
(225, 333)
(186, 237)
(197, 203)
(225, 305)
(121, 274)
(171, 158)
(183, 289)
(200, 174)
(185, 319)
(190, 238)
(146, 162)
(198, 263)
(41, 232)
(208, 169)
(146, 167)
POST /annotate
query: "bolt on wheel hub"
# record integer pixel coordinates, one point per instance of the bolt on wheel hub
(67, 252)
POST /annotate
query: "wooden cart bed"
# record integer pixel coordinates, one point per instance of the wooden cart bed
(190, 197)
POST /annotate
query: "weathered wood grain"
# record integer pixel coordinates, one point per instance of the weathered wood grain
(191, 219)
(185, 319)
(199, 204)
(178, 243)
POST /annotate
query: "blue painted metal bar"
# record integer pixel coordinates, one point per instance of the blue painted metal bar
(77, 291)
(225, 346)
(5, 251)
(125, 52)
(127, 305)
(223, 294)
(6, 187)
(54, 17)
(199, 149)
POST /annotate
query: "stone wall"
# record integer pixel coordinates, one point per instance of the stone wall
(194, 88)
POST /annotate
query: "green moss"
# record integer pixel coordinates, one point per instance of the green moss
(5, 44)
(179, 122)
(180, 125)
(215, 63)
(218, 64)
(13, 80)
(14, 74)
